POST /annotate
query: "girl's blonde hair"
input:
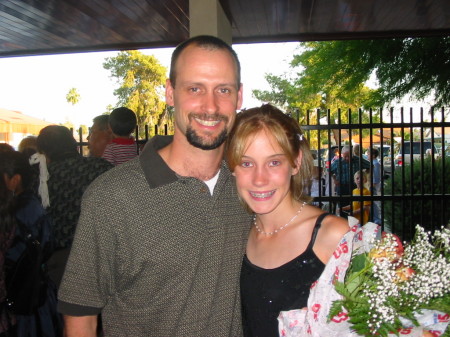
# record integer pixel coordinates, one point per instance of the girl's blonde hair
(288, 135)
(363, 176)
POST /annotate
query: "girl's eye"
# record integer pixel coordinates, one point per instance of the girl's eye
(246, 164)
(275, 163)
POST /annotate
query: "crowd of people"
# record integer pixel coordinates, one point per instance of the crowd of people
(209, 232)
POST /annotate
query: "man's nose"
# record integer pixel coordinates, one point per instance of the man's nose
(210, 103)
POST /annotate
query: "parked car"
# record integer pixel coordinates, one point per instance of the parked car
(419, 149)
(385, 158)
(447, 151)
(385, 152)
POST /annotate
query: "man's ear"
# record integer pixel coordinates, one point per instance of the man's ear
(240, 97)
(169, 93)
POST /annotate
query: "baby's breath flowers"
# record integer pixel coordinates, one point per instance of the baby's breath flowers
(392, 287)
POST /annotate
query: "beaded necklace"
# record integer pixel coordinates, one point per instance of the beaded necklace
(280, 228)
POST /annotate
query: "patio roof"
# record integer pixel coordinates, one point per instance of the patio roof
(32, 27)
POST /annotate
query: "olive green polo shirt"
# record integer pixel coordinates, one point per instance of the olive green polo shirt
(156, 253)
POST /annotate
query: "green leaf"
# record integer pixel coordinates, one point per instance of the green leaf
(340, 288)
(354, 283)
(336, 308)
(392, 328)
(358, 263)
(362, 329)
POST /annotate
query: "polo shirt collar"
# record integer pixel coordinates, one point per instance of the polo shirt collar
(156, 171)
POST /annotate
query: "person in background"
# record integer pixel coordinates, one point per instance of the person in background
(99, 136)
(122, 148)
(6, 147)
(372, 155)
(28, 146)
(64, 176)
(320, 186)
(24, 207)
(342, 171)
(318, 183)
(357, 152)
(290, 241)
(335, 156)
(360, 210)
(7, 232)
(159, 243)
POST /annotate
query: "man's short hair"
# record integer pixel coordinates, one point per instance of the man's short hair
(122, 121)
(102, 121)
(374, 152)
(345, 149)
(56, 142)
(206, 42)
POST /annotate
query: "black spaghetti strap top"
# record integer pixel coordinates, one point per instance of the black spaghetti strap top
(266, 292)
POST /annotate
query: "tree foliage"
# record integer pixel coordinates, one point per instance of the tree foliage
(334, 73)
(73, 97)
(142, 79)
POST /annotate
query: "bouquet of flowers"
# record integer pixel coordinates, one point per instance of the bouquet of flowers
(391, 289)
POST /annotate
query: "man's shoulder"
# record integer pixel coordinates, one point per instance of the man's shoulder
(94, 165)
(96, 161)
(122, 171)
(335, 164)
(117, 179)
(79, 164)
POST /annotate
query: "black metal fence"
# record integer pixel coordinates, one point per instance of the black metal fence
(414, 189)
(414, 157)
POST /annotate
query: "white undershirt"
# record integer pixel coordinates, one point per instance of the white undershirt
(211, 183)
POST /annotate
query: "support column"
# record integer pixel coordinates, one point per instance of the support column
(207, 17)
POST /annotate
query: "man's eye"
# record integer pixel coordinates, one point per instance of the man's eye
(194, 89)
(224, 90)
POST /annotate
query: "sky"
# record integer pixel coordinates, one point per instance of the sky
(37, 85)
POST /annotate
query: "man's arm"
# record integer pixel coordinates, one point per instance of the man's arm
(80, 326)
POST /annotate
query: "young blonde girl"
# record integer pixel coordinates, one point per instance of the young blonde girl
(290, 241)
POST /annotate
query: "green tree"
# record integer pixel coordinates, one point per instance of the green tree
(68, 124)
(73, 97)
(334, 72)
(141, 78)
(310, 93)
(84, 129)
(311, 88)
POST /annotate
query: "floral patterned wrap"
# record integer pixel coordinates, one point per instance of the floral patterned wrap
(313, 320)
